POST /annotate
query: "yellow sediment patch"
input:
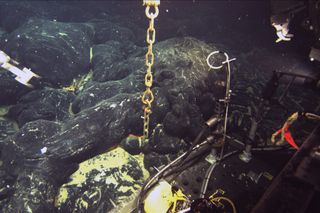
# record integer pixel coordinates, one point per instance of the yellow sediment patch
(78, 83)
(116, 158)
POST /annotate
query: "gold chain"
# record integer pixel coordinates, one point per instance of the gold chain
(147, 97)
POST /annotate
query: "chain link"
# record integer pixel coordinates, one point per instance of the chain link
(148, 79)
(149, 59)
(148, 97)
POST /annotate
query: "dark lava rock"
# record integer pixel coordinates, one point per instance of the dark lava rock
(165, 144)
(106, 31)
(184, 119)
(207, 103)
(153, 161)
(58, 52)
(7, 128)
(2, 36)
(176, 126)
(15, 13)
(54, 157)
(40, 164)
(11, 90)
(113, 60)
(93, 95)
(132, 145)
(137, 27)
(97, 92)
(180, 73)
(30, 138)
(47, 104)
(5, 186)
(36, 198)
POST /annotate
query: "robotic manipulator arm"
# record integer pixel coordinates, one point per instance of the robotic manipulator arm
(23, 76)
(282, 31)
(282, 12)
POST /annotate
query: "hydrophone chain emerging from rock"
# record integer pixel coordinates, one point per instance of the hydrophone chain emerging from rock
(148, 96)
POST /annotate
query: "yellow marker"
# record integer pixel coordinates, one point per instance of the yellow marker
(159, 199)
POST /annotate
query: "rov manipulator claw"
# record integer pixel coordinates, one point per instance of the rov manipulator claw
(23, 75)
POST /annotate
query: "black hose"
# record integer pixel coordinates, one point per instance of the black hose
(194, 143)
(189, 161)
(209, 172)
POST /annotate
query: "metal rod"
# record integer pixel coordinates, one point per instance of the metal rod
(295, 74)
(227, 99)
(287, 88)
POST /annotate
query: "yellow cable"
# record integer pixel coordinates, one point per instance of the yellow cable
(217, 199)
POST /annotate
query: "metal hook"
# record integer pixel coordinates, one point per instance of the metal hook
(222, 63)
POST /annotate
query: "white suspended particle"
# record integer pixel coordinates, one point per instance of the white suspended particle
(43, 150)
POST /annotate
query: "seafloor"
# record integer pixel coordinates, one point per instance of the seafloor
(87, 103)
